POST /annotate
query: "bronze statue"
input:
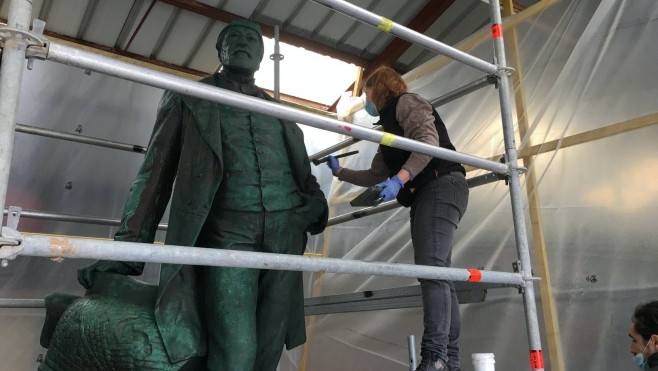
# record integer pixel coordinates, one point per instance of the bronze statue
(242, 182)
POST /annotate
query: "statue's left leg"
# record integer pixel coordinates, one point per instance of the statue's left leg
(278, 309)
(231, 294)
(230, 311)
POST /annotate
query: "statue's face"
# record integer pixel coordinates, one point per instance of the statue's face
(241, 50)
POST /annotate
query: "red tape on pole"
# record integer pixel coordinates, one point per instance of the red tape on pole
(536, 359)
(497, 31)
(476, 275)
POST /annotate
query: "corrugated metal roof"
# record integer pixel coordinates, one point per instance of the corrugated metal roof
(183, 32)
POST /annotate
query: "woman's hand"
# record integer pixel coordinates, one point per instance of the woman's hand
(391, 188)
(333, 164)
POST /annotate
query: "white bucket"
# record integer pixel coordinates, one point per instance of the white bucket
(483, 361)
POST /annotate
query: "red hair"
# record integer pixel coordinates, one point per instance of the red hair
(384, 84)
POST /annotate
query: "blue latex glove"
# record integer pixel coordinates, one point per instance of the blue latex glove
(332, 162)
(391, 188)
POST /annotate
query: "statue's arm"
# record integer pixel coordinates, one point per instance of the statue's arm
(317, 202)
(315, 207)
(151, 190)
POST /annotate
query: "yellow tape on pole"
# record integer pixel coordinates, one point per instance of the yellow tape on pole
(387, 139)
(385, 25)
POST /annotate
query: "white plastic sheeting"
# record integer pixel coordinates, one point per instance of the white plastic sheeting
(587, 64)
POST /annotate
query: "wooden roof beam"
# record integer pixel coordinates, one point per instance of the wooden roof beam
(289, 38)
(423, 20)
(421, 23)
(166, 67)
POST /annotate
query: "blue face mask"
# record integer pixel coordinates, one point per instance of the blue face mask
(639, 359)
(371, 109)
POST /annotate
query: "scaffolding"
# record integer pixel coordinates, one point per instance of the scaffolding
(18, 42)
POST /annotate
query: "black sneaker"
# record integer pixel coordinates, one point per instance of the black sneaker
(431, 362)
(456, 369)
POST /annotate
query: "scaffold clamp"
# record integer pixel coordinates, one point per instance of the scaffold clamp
(521, 169)
(277, 56)
(510, 167)
(493, 80)
(37, 43)
(516, 266)
(11, 240)
(506, 71)
(10, 245)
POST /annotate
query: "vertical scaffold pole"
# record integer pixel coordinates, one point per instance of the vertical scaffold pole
(11, 77)
(277, 57)
(532, 323)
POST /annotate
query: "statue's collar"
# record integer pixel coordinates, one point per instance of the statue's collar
(237, 78)
(243, 84)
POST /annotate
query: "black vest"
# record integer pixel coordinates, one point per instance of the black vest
(395, 158)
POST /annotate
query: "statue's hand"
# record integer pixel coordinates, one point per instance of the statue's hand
(87, 275)
(310, 211)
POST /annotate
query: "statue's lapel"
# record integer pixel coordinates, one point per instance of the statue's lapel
(207, 117)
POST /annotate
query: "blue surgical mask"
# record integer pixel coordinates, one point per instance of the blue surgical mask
(639, 359)
(371, 109)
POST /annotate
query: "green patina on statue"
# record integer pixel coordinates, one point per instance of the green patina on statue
(242, 182)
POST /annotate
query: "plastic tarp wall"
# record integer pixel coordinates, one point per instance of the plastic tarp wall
(586, 65)
(70, 178)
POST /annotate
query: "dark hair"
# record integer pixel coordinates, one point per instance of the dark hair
(645, 319)
(385, 84)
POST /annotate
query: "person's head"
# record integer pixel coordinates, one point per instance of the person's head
(644, 332)
(383, 85)
(240, 47)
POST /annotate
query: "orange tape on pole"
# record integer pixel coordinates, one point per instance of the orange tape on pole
(536, 359)
(476, 275)
(497, 31)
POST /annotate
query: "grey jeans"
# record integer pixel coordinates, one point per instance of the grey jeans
(435, 213)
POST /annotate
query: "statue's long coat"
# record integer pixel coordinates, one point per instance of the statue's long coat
(186, 148)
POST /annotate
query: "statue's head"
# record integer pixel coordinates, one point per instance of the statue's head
(240, 47)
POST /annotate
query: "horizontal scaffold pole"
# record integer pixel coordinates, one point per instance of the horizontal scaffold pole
(112, 222)
(390, 205)
(387, 25)
(85, 219)
(22, 303)
(80, 248)
(89, 61)
(472, 182)
(27, 129)
(464, 90)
